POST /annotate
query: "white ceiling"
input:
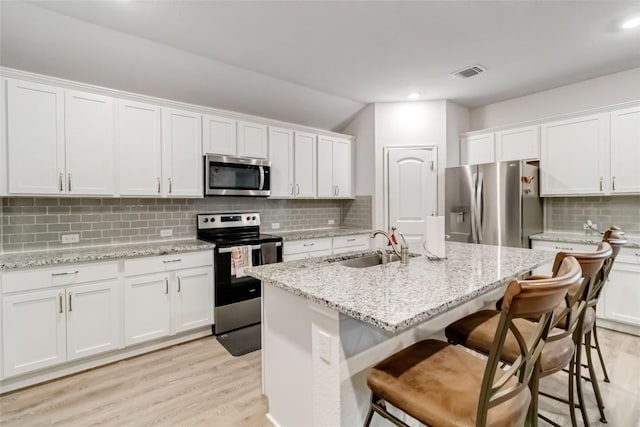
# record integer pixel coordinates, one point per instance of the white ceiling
(362, 52)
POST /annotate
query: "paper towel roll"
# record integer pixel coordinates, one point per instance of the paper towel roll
(435, 236)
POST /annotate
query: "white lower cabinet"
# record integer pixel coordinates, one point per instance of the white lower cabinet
(147, 310)
(193, 299)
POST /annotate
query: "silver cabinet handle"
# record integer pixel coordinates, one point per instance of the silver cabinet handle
(308, 244)
(60, 182)
(337, 190)
(564, 248)
(601, 183)
(170, 185)
(65, 273)
(70, 306)
(158, 179)
(166, 286)
(167, 261)
(60, 301)
(297, 189)
(291, 190)
(69, 182)
(637, 254)
(613, 183)
(179, 284)
(351, 240)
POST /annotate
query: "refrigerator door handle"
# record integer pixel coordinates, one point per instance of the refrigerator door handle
(479, 210)
(474, 232)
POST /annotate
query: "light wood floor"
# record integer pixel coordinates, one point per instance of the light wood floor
(199, 383)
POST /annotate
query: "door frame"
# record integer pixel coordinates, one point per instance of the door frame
(385, 176)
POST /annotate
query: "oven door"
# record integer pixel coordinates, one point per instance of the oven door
(236, 176)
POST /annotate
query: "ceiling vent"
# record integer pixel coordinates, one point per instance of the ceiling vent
(471, 71)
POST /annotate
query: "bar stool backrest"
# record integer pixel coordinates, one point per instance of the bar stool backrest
(524, 299)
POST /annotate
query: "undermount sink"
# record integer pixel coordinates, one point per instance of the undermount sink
(367, 261)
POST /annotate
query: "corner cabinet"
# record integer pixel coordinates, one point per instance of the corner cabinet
(182, 153)
(574, 156)
(625, 151)
(334, 168)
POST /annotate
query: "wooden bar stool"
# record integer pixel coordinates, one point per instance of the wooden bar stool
(563, 346)
(441, 384)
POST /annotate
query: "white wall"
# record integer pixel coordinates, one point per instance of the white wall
(594, 93)
(458, 121)
(408, 123)
(363, 128)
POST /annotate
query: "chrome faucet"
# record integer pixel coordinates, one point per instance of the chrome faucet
(403, 253)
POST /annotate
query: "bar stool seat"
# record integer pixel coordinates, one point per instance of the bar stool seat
(446, 377)
(477, 331)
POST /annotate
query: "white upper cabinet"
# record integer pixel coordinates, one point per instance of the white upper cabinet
(89, 143)
(252, 140)
(518, 144)
(477, 149)
(625, 151)
(281, 156)
(182, 153)
(574, 156)
(305, 164)
(218, 135)
(334, 167)
(35, 137)
(139, 149)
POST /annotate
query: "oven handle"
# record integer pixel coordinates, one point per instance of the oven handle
(261, 177)
(254, 247)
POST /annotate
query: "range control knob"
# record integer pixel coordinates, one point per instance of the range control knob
(205, 220)
(248, 218)
(213, 219)
(253, 218)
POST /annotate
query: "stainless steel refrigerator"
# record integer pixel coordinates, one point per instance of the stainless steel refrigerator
(493, 204)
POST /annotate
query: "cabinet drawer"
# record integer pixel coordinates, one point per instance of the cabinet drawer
(344, 242)
(156, 264)
(63, 275)
(628, 256)
(311, 245)
(563, 246)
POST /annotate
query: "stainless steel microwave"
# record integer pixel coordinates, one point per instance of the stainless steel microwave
(236, 176)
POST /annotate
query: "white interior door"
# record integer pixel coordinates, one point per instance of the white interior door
(412, 190)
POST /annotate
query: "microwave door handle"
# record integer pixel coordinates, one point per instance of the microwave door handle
(261, 177)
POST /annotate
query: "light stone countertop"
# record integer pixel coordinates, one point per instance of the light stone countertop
(585, 239)
(397, 297)
(289, 236)
(99, 253)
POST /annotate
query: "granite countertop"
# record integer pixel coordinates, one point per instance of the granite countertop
(397, 297)
(319, 233)
(99, 253)
(586, 239)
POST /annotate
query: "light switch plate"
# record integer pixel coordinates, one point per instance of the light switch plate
(168, 232)
(70, 238)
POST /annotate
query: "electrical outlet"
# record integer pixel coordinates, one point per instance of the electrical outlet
(275, 225)
(331, 221)
(167, 232)
(70, 238)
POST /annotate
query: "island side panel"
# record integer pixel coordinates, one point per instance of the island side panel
(286, 353)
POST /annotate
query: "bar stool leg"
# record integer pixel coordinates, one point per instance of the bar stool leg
(594, 380)
(578, 378)
(572, 401)
(534, 382)
(594, 331)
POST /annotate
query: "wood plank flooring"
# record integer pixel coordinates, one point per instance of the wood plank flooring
(199, 383)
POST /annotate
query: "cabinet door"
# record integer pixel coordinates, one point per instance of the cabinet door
(622, 293)
(518, 144)
(194, 299)
(477, 149)
(139, 149)
(94, 319)
(33, 331)
(219, 135)
(326, 187)
(89, 143)
(574, 156)
(35, 138)
(252, 140)
(625, 151)
(305, 164)
(182, 149)
(342, 168)
(281, 158)
(147, 308)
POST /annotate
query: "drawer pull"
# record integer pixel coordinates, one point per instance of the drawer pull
(351, 240)
(308, 244)
(179, 284)
(60, 301)
(166, 261)
(65, 273)
(166, 286)
(637, 254)
(564, 248)
(70, 306)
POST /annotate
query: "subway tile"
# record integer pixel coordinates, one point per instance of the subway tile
(58, 209)
(58, 227)
(80, 226)
(38, 228)
(21, 201)
(91, 234)
(22, 219)
(47, 237)
(70, 218)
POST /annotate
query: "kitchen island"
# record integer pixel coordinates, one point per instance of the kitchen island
(324, 324)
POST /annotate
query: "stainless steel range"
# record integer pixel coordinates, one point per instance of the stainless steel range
(237, 297)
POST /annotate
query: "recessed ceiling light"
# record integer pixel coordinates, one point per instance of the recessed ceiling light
(631, 23)
(414, 95)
